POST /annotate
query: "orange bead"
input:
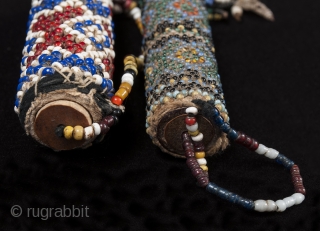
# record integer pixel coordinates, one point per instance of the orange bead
(122, 93)
(116, 100)
(126, 86)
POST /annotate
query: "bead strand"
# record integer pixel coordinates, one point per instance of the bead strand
(193, 162)
(131, 66)
(191, 141)
(80, 133)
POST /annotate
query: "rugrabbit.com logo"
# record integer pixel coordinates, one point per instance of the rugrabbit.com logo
(46, 213)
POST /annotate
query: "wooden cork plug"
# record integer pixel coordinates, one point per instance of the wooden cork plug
(54, 114)
(172, 125)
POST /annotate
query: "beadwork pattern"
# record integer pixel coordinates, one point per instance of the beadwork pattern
(180, 60)
(68, 37)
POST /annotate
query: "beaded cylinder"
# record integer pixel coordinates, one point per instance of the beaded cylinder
(66, 70)
(180, 67)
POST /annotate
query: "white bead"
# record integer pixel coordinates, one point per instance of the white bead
(197, 138)
(202, 161)
(19, 94)
(88, 133)
(271, 206)
(298, 198)
(106, 75)
(281, 205)
(96, 128)
(57, 65)
(272, 153)
(236, 10)
(192, 110)
(58, 8)
(128, 78)
(260, 205)
(16, 110)
(98, 79)
(290, 201)
(192, 128)
(261, 150)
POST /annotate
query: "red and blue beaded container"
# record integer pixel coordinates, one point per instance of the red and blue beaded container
(66, 73)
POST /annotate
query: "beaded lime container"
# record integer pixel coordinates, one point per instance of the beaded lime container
(180, 67)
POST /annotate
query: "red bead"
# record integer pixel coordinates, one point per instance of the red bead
(38, 52)
(57, 44)
(116, 100)
(190, 121)
(82, 44)
(57, 38)
(109, 120)
(69, 43)
(104, 128)
(41, 18)
(68, 8)
(106, 62)
(70, 48)
(79, 50)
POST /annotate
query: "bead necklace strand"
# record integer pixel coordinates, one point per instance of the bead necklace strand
(131, 66)
(194, 152)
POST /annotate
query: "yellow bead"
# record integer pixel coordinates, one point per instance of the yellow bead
(180, 96)
(225, 116)
(218, 106)
(194, 60)
(195, 93)
(207, 98)
(131, 63)
(194, 133)
(200, 155)
(133, 4)
(213, 86)
(194, 30)
(166, 99)
(213, 49)
(149, 70)
(167, 29)
(181, 27)
(194, 51)
(129, 58)
(156, 34)
(78, 133)
(179, 57)
(171, 81)
(201, 59)
(154, 108)
(204, 167)
(67, 132)
(132, 68)
(140, 63)
(126, 86)
(122, 93)
(188, 60)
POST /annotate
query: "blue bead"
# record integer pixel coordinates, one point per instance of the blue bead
(55, 60)
(215, 112)
(36, 69)
(64, 63)
(112, 24)
(17, 102)
(29, 48)
(79, 62)
(24, 79)
(106, 44)
(92, 68)
(47, 71)
(42, 57)
(56, 54)
(287, 163)
(246, 203)
(19, 86)
(100, 12)
(107, 11)
(232, 134)
(99, 46)
(81, 30)
(109, 84)
(93, 39)
(74, 57)
(23, 61)
(225, 127)
(84, 68)
(88, 23)
(218, 120)
(78, 24)
(30, 70)
(89, 61)
(99, 26)
(69, 61)
(48, 58)
(104, 83)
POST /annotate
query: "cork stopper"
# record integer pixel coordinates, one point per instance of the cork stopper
(54, 114)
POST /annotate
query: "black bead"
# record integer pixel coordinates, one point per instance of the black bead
(59, 131)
